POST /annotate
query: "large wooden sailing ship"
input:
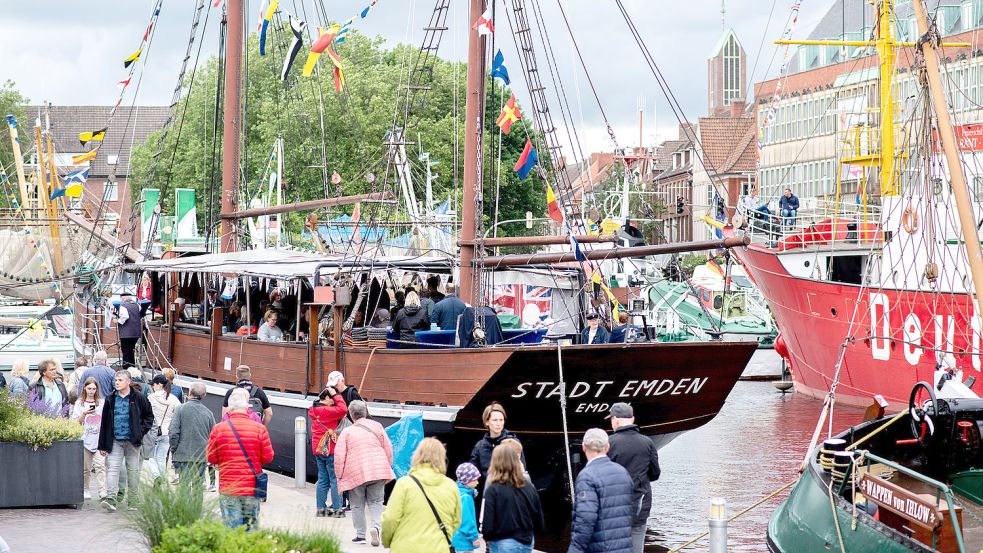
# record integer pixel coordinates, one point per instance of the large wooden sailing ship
(673, 387)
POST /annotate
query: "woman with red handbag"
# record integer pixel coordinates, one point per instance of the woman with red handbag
(329, 408)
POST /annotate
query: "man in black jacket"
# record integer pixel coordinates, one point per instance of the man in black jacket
(638, 454)
(126, 419)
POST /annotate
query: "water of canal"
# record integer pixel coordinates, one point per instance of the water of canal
(750, 449)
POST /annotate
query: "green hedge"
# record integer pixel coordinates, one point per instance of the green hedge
(210, 536)
(19, 424)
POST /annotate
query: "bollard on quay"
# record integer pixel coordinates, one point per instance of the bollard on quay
(300, 452)
(718, 525)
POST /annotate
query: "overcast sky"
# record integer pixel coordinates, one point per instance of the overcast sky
(71, 54)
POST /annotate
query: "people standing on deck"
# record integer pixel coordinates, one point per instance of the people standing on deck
(258, 402)
(512, 512)
(101, 371)
(467, 537)
(424, 510)
(126, 418)
(381, 319)
(88, 412)
(595, 333)
(638, 454)
(447, 310)
(433, 283)
(189, 430)
(49, 393)
(233, 318)
(19, 383)
(239, 448)
(128, 328)
(164, 404)
(269, 331)
(427, 303)
(411, 318)
(602, 504)
(625, 331)
(363, 464)
(145, 292)
(329, 408)
(788, 206)
(493, 418)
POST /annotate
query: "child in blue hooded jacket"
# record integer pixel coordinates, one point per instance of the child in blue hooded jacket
(467, 538)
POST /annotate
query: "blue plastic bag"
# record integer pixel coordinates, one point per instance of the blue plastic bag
(405, 435)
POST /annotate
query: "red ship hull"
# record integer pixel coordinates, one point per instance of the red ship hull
(895, 339)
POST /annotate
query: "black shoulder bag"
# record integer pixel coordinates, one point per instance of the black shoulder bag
(262, 479)
(440, 522)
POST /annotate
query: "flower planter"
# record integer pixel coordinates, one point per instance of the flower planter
(40, 478)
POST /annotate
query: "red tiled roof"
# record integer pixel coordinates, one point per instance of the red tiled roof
(725, 141)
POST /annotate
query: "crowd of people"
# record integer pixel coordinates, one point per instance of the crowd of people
(129, 426)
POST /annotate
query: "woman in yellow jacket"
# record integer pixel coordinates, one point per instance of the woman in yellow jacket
(409, 525)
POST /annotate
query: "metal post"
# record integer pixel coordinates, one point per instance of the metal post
(718, 525)
(300, 452)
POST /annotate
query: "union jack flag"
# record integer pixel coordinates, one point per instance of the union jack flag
(512, 298)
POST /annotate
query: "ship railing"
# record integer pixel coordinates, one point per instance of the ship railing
(941, 490)
(852, 223)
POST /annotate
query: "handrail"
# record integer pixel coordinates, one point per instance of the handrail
(949, 499)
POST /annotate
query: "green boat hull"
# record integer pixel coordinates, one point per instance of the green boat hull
(803, 523)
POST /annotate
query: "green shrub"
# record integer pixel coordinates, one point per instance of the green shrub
(160, 505)
(19, 424)
(211, 536)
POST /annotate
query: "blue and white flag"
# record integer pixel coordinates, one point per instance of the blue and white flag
(342, 35)
(498, 68)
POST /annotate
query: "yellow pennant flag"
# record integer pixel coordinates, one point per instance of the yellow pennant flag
(92, 135)
(134, 57)
(82, 158)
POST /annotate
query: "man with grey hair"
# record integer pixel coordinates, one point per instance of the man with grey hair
(101, 371)
(447, 310)
(638, 454)
(363, 459)
(190, 427)
(602, 508)
(126, 419)
(239, 447)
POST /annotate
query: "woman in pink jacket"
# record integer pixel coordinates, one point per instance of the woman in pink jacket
(363, 461)
(324, 414)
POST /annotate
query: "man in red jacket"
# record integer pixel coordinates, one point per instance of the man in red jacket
(237, 480)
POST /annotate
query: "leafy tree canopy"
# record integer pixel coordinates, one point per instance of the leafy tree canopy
(355, 124)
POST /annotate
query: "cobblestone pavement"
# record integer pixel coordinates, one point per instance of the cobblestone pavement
(88, 528)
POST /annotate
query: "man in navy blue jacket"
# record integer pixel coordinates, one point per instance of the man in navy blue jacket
(788, 206)
(602, 506)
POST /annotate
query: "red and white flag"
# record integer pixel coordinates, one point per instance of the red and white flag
(484, 24)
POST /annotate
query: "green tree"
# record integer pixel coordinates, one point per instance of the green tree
(12, 102)
(355, 124)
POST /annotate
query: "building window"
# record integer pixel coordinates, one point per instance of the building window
(111, 192)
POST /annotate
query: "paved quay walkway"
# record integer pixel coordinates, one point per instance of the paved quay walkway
(92, 528)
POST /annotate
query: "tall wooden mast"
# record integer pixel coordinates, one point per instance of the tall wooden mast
(947, 135)
(232, 123)
(473, 130)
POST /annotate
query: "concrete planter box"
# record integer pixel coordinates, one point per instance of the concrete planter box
(40, 478)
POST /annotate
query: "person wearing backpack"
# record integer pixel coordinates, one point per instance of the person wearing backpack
(258, 402)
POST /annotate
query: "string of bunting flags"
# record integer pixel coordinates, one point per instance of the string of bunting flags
(529, 159)
(772, 112)
(75, 180)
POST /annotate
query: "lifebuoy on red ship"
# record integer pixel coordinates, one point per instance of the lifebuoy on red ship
(909, 220)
